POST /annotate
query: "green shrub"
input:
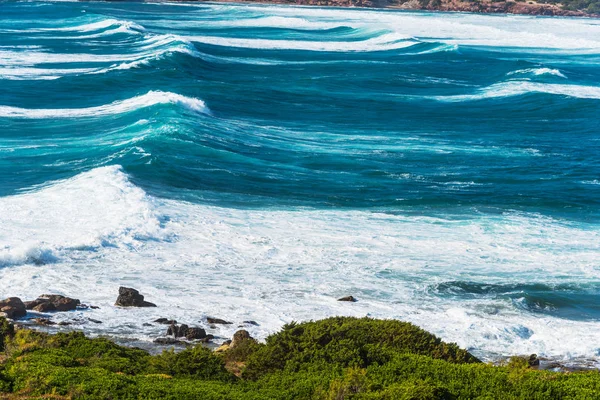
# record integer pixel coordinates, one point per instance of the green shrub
(197, 362)
(347, 342)
(7, 330)
(333, 359)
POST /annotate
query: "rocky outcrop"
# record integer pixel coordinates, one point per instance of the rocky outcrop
(165, 321)
(224, 347)
(217, 321)
(12, 308)
(239, 337)
(129, 297)
(533, 360)
(184, 331)
(348, 298)
(52, 302)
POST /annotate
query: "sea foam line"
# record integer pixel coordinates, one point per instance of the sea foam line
(118, 107)
(518, 88)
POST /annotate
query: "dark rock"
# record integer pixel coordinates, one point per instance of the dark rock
(240, 337)
(195, 334)
(131, 298)
(64, 323)
(53, 302)
(61, 303)
(166, 341)
(533, 361)
(13, 308)
(30, 305)
(219, 321)
(44, 307)
(165, 321)
(146, 324)
(348, 298)
(94, 321)
(43, 321)
(250, 323)
(179, 331)
(94, 307)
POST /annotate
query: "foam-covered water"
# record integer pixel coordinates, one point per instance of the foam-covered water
(258, 162)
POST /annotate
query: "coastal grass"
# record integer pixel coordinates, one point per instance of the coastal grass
(334, 359)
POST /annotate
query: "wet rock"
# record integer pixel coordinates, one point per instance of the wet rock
(44, 307)
(53, 302)
(217, 321)
(43, 321)
(239, 337)
(129, 297)
(166, 341)
(94, 307)
(533, 360)
(64, 323)
(195, 334)
(12, 308)
(61, 303)
(250, 323)
(30, 305)
(165, 321)
(146, 324)
(179, 331)
(95, 321)
(348, 298)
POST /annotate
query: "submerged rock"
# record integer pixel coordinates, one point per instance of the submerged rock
(165, 321)
(129, 297)
(43, 321)
(166, 341)
(217, 321)
(12, 308)
(348, 298)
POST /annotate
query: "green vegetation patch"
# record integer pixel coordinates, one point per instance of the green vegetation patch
(336, 358)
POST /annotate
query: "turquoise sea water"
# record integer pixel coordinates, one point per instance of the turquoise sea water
(265, 160)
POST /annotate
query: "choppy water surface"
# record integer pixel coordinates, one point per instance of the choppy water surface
(257, 162)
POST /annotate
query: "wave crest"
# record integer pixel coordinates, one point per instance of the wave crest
(149, 99)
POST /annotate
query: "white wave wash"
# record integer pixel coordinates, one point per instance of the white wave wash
(538, 72)
(519, 88)
(384, 42)
(564, 35)
(118, 107)
(99, 231)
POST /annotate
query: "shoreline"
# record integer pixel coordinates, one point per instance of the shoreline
(39, 315)
(333, 358)
(525, 7)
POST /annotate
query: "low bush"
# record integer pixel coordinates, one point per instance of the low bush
(332, 359)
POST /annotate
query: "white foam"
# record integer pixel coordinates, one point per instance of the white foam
(118, 107)
(538, 72)
(518, 88)
(94, 209)
(99, 231)
(276, 22)
(379, 43)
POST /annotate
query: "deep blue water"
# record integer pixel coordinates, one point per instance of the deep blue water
(485, 127)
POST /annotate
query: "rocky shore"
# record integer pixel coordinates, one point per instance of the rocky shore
(475, 6)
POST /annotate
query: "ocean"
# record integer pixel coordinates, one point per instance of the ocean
(257, 162)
